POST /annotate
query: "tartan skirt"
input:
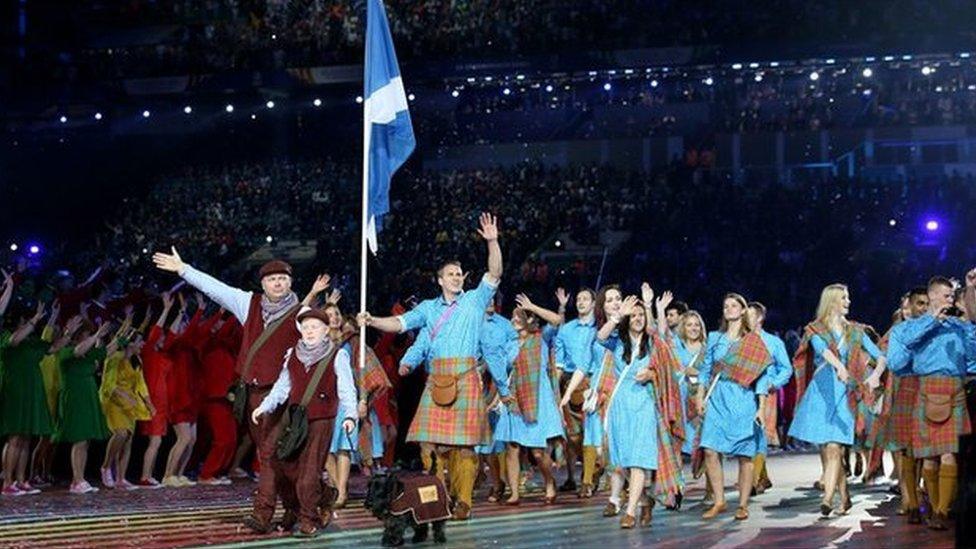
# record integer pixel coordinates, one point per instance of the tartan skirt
(463, 423)
(898, 432)
(930, 439)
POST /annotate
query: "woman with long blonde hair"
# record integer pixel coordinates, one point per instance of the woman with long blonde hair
(689, 348)
(839, 351)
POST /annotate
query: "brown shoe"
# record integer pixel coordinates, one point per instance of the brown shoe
(627, 521)
(741, 513)
(288, 521)
(611, 510)
(645, 515)
(462, 511)
(256, 525)
(586, 491)
(715, 510)
(937, 522)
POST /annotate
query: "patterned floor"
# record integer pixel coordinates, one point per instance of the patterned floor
(784, 517)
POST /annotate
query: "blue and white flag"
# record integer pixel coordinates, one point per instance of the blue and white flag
(387, 131)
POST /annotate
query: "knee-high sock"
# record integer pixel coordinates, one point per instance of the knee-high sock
(589, 464)
(466, 469)
(759, 466)
(911, 481)
(948, 475)
(931, 479)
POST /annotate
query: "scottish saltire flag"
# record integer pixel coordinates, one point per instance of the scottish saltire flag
(387, 131)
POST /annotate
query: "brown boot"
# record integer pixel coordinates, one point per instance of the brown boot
(256, 525)
(627, 521)
(611, 510)
(646, 514)
(462, 511)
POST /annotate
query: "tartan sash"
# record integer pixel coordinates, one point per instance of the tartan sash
(671, 423)
(372, 379)
(745, 361)
(525, 377)
(857, 364)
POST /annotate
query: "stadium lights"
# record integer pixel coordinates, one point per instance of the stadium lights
(145, 114)
(411, 97)
(317, 102)
(229, 108)
(268, 239)
(607, 86)
(869, 59)
(254, 117)
(34, 249)
(507, 91)
(187, 109)
(270, 104)
(63, 119)
(759, 77)
(927, 70)
(709, 81)
(98, 116)
(455, 93)
(867, 73)
(654, 83)
(736, 66)
(549, 88)
(774, 64)
(892, 222)
(753, 65)
(814, 76)
(14, 247)
(964, 55)
(359, 99)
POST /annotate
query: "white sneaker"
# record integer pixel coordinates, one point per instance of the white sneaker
(107, 480)
(172, 482)
(83, 488)
(185, 481)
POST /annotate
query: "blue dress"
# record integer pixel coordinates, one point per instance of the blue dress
(823, 414)
(687, 358)
(592, 422)
(729, 425)
(632, 415)
(512, 427)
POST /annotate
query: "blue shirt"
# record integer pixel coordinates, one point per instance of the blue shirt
(574, 344)
(925, 346)
(497, 338)
(781, 369)
(460, 335)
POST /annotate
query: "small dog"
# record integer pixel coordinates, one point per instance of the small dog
(414, 501)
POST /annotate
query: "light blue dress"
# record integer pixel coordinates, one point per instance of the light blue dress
(729, 425)
(512, 427)
(687, 358)
(592, 422)
(497, 334)
(632, 415)
(823, 414)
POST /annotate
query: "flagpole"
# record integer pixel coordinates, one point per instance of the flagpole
(365, 222)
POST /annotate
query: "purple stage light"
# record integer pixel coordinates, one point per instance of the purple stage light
(34, 249)
(932, 225)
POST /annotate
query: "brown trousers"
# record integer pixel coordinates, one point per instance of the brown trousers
(299, 480)
(265, 436)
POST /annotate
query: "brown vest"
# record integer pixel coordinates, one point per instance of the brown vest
(266, 364)
(325, 400)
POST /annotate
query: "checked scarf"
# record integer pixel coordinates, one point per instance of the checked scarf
(857, 365)
(746, 360)
(525, 376)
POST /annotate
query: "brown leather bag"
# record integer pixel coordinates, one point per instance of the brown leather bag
(938, 407)
(444, 389)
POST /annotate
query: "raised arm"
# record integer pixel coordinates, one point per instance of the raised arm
(167, 305)
(8, 291)
(235, 300)
(489, 231)
(320, 285)
(661, 305)
(626, 308)
(92, 341)
(28, 328)
(562, 298)
(545, 314)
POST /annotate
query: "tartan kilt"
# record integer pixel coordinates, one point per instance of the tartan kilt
(463, 423)
(898, 432)
(934, 439)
